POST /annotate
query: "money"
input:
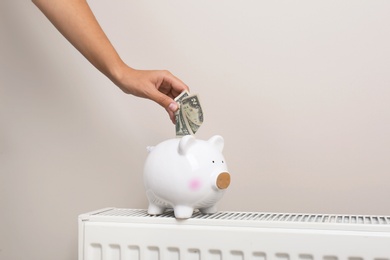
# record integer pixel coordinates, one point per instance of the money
(189, 116)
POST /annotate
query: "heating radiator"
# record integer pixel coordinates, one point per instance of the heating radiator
(127, 234)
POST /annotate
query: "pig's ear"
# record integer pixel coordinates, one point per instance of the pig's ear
(217, 141)
(185, 143)
(149, 148)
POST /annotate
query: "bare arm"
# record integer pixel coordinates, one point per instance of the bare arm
(75, 20)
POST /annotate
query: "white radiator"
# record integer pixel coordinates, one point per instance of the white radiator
(127, 234)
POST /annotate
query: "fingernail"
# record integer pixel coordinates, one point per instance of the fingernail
(172, 106)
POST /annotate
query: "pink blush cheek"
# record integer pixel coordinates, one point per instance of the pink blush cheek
(195, 184)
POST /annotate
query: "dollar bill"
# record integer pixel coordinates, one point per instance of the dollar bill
(192, 112)
(182, 96)
(189, 116)
(181, 126)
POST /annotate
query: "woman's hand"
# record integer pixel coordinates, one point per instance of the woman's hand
(160, 86)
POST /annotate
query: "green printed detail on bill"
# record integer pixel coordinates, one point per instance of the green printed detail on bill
(189, 116)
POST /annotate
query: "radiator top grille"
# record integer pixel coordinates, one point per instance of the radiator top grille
(254, 216)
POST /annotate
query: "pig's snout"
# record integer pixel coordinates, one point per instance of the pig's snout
(223, 180)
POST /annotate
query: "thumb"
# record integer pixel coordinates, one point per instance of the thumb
(168, 103)
(164, 101)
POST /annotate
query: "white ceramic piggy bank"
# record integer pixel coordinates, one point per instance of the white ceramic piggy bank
(185, 174)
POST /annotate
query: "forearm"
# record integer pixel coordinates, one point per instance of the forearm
(76, 22)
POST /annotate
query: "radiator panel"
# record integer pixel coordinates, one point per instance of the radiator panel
(118, 234)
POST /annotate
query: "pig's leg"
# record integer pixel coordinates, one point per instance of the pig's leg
(209, 210)
(183, 211)
(155, 210)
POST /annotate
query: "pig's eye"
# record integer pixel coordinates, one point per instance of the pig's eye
(213, 161)
(222, 161)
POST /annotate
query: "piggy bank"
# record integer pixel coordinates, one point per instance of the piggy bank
(185, 174)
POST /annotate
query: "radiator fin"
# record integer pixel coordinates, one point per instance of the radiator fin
(259, 256)
(257, 216)
(193, 254)
(114, 252)
(133, 252)
(153, 252)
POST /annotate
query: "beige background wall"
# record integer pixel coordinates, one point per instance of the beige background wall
(300, 90)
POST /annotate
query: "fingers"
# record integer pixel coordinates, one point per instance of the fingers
(168, 103)
(161, 86)
(175, 86)
(169, 88)
(172, 85)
